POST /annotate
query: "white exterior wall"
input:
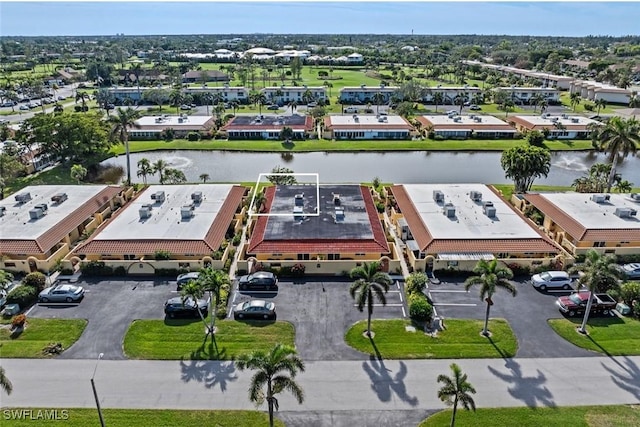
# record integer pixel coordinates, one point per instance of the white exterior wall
(294, 93)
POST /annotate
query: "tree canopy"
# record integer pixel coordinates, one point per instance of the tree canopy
(524, 164)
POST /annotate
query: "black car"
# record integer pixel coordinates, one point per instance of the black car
(175, 307)
(272, 107)
(258, 281)
(255, 309)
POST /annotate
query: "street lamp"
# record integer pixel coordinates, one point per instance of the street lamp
(95, 393)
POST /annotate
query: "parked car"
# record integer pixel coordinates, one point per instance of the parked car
(312, 104)
(61, 293)
(185, 107)
(551, 280)
(176, 307)
(632, 270)
(24, 107)
(474, 107)
(258, 281)
(8, 104)
(185, 278)
(272, 107)
(576, 304)
(452, 112)
(351, 110)
(255, 309)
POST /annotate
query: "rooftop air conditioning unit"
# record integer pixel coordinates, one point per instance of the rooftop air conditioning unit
(575, 120)
(564, 116)
(457, 119)
(36, 213)
(197, 196)
(545, 116)
(449, 210)
(23, 197)
(598, 198)
(144, 212)
(186, 212)
(476, 196)
(299, 199)
(339, 214)
(478, 119)
(179, 119)
(490, 211)
(158, 196)
(3, 210)
(635, 197)
(554, 119)
(59, 198)
(298, 213)
(42, 206)
(607, 197)
(623, 212)
(336, 200)
(438, 196)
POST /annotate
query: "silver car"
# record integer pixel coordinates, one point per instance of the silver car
(632, 270)
(62, 293)
(551, 280)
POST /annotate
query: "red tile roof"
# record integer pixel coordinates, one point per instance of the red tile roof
(210, 243)
(55, 234)
(258, 244)
(428, 244)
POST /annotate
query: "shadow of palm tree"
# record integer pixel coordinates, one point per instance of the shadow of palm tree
(629, 382)
(529, 390)
(384, 384)
(210, 373)
(499, 350)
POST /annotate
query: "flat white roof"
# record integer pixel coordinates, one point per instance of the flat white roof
(166, 222)
(172, 121)
(465, 120)
(16, 222)
(469, 222)
(594, 215)
(348, 119)
(539, 121)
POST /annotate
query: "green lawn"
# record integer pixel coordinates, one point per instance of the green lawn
(38, 334)
(507, 189)
(82, 417)
(574, 416)
(177, 339)
(613, 336)
(461, 339)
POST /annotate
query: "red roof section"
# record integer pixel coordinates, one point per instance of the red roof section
(55, 234)
(258, 244)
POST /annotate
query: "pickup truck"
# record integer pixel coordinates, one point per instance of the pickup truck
(576, 303)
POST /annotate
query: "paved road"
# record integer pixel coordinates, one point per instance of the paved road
(330, 386)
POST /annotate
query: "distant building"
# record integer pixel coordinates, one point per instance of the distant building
(467, 126)
(450, 94)
(283, 95)
(525, 95)
(151, 127)
(366, 94)
(354, 126)
(197, 76)
(563, 126)
(594, 91)
(268, 126)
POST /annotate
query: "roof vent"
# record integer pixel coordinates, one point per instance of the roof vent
(339, 214)
(564, 116)
(449, 210)
(187, 212)
(457, 119)
(575, 120)
(36, 213)
(336, 199)
(488, 209)
(476, 196)
(3, 210)
(196, 197)
(23, 197)
(299, 199)
(478, 119)
(635, 197)
(438, 196)
(145, 211)
(158, 196)
(298, 213)
(59, 198)
(625, 212)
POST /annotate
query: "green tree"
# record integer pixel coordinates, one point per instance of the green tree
(5, 384)
(370, 282)
(574, 100)
(120, 123)
(213, 282)
(78, 172)
(156, 96)
(204, 177)
(598, 273)
(276, 371)
(378, 98)
(438, 99)
(524, 164)
(6, 279)
(456, 390)
(193, 291)
(282, 179)
(10, 167)
(144, 169)
(159, 167)
(619, 138)
(490, 276)
(174, 176)
(286, 133)
(600, 103)
(176, 97)
(83, 97)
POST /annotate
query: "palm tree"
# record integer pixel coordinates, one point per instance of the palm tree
(378, 98)
(159, 167)
(277, 371)
(370, 282)
(137, 70)
(213, 282)
(490, 277)
(599, 273)
(204, 177)
(5, 384)
(535, 101)
(574, 99)
(234, 105)
(83, 97)
(176, 98)
(438, 99)
(193, 291)
(600, 103)
(121, 122)
(456, 390)
(459, 100)
(78, 172)
(144, 169)
(619, 137)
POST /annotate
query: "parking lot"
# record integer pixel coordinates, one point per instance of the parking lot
(527, 313)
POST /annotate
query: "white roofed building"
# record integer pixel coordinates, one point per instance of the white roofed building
(467, 126)
(369, 126)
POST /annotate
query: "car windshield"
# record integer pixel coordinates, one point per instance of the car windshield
(545, 276)
(575, 299)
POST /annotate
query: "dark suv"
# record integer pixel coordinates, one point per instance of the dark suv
(258, 281)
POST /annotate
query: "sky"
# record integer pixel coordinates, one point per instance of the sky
(77, 18)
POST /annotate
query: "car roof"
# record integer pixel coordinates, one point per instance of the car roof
(257, 303)
(66, 287)
(557, 273)
(632, 266)
(262, 274)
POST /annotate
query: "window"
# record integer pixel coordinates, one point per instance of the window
(303, 257)
(333, 257)
(129, 257)
(599, 244)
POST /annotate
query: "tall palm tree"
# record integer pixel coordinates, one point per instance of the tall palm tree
(599, 273)
(120, 123)
(78, 172)
(193, 291)
(277, 371)
(213, 282)
(438, 99)
(204, 177)
(137, 70)
(159, 167)
(600, 103)
(5, 384)
(378, 98)
(619, 137)
(574, 100)
(535, 101)
(370, 282)
(83, 97)
(490, 277)
(144, 169)
(459, 100)
(456, 390)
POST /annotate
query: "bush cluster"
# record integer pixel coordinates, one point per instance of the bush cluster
(24, 296)
(18, 321)
(36, 280)
(419, 308)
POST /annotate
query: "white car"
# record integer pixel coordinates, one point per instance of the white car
(552, 280)
(632, 270)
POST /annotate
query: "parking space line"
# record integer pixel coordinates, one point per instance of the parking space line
(448, 291)
(386, 305)
(453, 304)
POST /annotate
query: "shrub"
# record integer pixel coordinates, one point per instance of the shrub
(298, 270)
(24, 296)
(416, 283)
(419, 309)
(96, 268)
(193, 136)
(161, 255)
(120, 271)
(169, 272)
(36, 280)
(535, 138)
(380, 207)
(236, 239)
(635, 309)
(18, 321)
(629, 292)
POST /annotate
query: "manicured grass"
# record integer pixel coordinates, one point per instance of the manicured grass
(58, 175)
(461, 339)
(178, 339)
(82, 417)
(613, 336)
(507, 189)
(38, 334)
(574, 416)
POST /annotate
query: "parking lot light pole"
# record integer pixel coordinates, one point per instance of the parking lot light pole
(95, 393)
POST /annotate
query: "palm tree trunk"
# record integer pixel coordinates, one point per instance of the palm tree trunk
(453, 413)
(270, 403)
(214, 312)
(612, 174)
(587, 310)
(485, 330)
(126, 146)
(369, 323)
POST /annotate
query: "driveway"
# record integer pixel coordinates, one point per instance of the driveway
(109, 306)
(527, 313)
(321, 311)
